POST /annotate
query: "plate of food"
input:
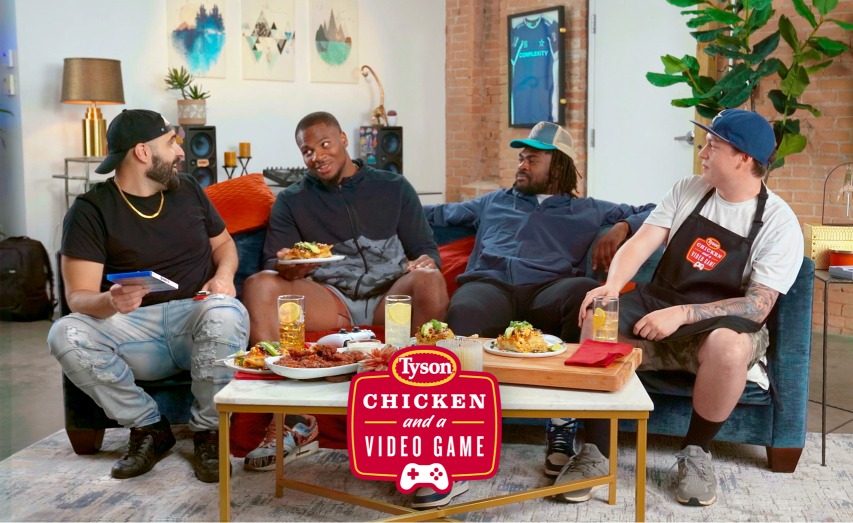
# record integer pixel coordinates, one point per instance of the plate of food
(432, 331)
(521, 340)
(318, 361)
(253, 361)
(310, 252)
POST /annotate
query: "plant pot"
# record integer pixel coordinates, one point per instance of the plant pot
(192, 112)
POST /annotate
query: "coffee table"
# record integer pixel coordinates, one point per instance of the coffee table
(323, 397)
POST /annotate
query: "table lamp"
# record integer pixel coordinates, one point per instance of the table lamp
(92, 81)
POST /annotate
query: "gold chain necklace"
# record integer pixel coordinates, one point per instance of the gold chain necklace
(146, 216)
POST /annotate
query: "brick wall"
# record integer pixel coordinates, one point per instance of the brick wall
(479, 160)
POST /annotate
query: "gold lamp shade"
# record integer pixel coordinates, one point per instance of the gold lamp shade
(92, 81)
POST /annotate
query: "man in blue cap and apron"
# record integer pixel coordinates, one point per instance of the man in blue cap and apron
(732, 246)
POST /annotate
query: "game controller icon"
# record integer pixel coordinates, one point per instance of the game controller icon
(434, 474)
(342, 337)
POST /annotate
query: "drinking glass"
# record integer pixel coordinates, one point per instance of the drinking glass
(398, 320)
(468, 350)
(605, 318)
(291, 321)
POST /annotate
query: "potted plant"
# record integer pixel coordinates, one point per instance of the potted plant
(750, 62)
(192, 109)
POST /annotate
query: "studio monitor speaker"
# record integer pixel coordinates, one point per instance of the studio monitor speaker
(200, 153)
(381, 147)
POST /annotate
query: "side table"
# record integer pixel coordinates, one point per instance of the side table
(86, 162)
(828, 281)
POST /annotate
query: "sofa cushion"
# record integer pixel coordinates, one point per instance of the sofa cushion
(454, 259)
(243, 202)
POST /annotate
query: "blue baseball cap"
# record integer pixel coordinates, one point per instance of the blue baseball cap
(746, 131)
(547, 136)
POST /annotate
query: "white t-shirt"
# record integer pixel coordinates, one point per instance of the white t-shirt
(777, 252)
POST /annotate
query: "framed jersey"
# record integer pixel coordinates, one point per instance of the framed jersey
(536, 67)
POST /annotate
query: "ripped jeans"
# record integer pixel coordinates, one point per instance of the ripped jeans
(103, 357)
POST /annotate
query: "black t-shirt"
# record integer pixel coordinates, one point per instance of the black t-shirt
(102, 228)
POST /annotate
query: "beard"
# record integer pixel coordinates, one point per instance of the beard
(164, 173)
(531, 187)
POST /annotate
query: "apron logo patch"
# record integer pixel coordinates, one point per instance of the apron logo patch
(705, 254)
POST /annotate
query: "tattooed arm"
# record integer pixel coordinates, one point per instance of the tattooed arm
(756, 306)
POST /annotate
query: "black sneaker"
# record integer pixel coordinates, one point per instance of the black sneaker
(206, 456)
(561, 440)
(147, 445)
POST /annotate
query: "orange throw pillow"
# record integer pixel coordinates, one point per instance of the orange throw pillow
(243, 202)
(454, 259)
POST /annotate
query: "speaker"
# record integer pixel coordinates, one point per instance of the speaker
(200, 153)
(381, 147)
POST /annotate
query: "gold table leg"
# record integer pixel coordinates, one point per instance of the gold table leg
(224, 472)
(640, 496)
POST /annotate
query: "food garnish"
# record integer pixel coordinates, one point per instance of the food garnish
(520, 336)
(433, 331)
(309, 251)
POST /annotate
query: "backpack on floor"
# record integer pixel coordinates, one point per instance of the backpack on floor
(25, 278)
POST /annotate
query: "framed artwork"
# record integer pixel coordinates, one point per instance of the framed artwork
(196, 33)
(267, 48)
(536, 67)
(333, 35)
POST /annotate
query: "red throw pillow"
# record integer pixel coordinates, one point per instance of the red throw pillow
(454, 259)
(243, 202)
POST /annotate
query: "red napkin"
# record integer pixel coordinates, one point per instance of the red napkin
(598, 353)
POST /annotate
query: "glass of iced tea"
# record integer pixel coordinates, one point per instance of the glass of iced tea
(398, 320)
(291, 321)
(605, 318)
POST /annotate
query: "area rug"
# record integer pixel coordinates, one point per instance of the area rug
(48, 482)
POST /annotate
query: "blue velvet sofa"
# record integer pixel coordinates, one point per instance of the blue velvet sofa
(775, 421)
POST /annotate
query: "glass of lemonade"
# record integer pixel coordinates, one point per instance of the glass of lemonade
(291, 321)
(398, 320)
(605, 318)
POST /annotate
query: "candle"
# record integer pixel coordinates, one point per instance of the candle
(230, 159)
(245, 149)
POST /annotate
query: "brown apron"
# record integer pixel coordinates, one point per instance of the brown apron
(703, 263)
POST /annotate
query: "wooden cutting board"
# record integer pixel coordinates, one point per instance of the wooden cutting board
(552, 372)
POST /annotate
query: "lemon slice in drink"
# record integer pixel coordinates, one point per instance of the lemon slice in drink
(598, 318)
(289, 312)
(400, 312)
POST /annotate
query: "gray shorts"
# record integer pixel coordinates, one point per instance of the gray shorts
(683, 354)
(360, 311)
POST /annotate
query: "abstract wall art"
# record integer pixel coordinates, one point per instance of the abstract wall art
(333, 40)
(196, 33)
(267, 45)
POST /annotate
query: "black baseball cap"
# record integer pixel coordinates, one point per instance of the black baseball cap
(130, 127)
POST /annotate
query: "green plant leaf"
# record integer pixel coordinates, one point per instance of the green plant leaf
(707, 112)
(780, 102)
(829, 46)
(665, 80)
(791, 144)
(722, 16)
(692, 63)
(804, 11)
(685, 3)
(809, 55)
(812, 70)
(736, 96)
(789, 34)
(825, 6)
(672, 65)
(760, 4)
(790, 126)
(730, 42)
(705, 84)
(795, 82)
(737, 76)
(767, 67)
(724, 51)
(780, 162)
(761, 13)
(847, 26)
(762, 49)
(810, 108)
(687, 102)
(699, 21)
(709, 35)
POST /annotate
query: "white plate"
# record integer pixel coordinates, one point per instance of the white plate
(492, 348)
(309, 374)
(231, 365)
(336, 257)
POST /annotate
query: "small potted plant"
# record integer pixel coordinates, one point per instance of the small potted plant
(192, 109)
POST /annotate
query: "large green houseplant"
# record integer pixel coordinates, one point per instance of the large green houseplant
(192, 109)
(750, 62)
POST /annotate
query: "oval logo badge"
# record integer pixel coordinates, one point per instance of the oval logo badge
(422, 367)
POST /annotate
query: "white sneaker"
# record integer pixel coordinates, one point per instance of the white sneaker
(299, 441)
(697, 484)
(426, 497)
(589, 463)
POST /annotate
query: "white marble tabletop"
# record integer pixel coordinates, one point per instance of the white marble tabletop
(631, 397)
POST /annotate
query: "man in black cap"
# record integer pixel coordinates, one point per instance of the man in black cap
(148, 218)
(732, 246)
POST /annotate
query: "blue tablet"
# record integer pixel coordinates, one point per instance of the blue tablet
(150, 279)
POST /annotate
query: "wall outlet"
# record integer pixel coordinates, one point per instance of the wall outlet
(8, 58)
(9, 85)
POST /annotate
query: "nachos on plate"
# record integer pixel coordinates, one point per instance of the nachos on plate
(520, 336)
(432, 331)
